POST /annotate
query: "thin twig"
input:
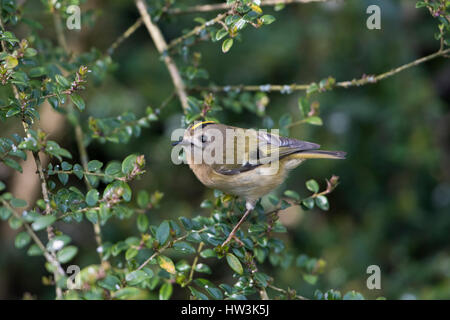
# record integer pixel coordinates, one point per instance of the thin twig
(286, 292)
(236, 228)
(224, 5)
(166, 246)
(161, 45)
(79, 137)
(124, 36)
(343, 84)
(194, 264)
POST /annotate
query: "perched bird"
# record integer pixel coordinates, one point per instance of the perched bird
(245, 162)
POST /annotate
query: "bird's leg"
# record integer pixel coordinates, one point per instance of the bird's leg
(236, 227)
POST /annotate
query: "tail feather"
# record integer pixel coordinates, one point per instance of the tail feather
(319, 154)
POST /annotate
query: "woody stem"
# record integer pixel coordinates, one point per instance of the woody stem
(236, 228)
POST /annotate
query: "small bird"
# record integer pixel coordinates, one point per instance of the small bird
(245, 162)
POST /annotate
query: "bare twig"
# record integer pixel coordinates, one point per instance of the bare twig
(236, 228)
(296, 296)
(343, 84)
(124, 36)
(161, 46)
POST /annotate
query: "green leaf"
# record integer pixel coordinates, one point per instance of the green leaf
(203, 268)
(131, 253)
(353, 295)
(267, 19)
(312, 185)
(43, 222)
(129, 293)
(212, 290)
(11, 62)
(314, 121)
(5, 213)
(92, 197)
(15, 223)
(30, 52)
(163, 232)
(62, 81)
(37, 72)
(67, 254)
(57, 243)
(129, 163)
(92, 216)
(34, 250)
(22, 239)
(166, 263)
(226, 45)
(12, 164)
(2, 186)
(165, 291)
(262, 278)
(322, 202)
(143, 199)
(234, 263)
(184, 247)
(63, 177)
(208, 253)
(221, 34)
(292, 194)
(110, 283)
(136, 277)
(308, 203)
(142, 222)
(310, 278)
(197, 294)
(18, 203)
(94, 165)
(206, 204)
(78, 101)
(113, 168)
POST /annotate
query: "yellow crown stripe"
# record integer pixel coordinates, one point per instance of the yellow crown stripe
(201, 123)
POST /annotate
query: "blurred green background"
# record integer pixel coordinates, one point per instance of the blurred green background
(392, 207)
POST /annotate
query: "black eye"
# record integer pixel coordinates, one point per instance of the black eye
(203, 138)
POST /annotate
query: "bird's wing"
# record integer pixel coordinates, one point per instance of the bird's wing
(260, 148)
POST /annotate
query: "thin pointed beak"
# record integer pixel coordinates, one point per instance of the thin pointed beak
(177, 142)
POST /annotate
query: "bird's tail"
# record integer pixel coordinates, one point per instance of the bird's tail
(319, 154)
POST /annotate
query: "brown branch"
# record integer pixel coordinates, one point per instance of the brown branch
(161, 45)
(343, 84)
